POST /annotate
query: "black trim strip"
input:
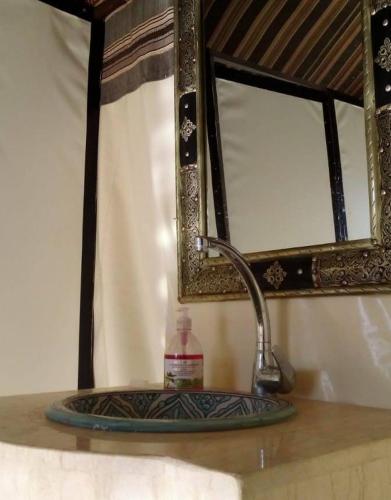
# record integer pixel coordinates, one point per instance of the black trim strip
(380, 31)
(77, 8)
(86, 325)
(215, 152)
(335, 171)
(339, 96)
(188, 143)
(254, 77)
(267, 82)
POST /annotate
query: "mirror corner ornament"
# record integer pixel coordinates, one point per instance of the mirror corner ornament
(352, 270)
(383, 58)
(377, 5)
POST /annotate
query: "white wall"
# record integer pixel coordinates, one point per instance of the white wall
(340, 346)
(43, 84)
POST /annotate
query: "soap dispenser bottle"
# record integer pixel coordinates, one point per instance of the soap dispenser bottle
(184, 360)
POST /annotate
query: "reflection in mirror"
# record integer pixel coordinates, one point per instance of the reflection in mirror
(286, 134)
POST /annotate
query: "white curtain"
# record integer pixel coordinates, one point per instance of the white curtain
(43, 99)
(135, 288)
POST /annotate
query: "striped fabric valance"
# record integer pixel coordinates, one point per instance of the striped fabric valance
(139, 47)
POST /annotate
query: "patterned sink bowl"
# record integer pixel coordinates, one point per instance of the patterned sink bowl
(168, 411)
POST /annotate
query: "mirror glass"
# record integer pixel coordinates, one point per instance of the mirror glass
(286, 162)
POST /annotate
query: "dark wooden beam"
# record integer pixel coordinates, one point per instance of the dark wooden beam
(86, 326)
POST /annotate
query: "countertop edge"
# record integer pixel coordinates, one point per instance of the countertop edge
(324, 466)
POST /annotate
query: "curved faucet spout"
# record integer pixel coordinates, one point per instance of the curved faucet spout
(203, 243)
(267, 375)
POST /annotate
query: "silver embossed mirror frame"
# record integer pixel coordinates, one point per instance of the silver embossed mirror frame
(362, 266)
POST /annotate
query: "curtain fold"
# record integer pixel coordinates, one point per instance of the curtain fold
(136, 238)
(139, 47)
(43, 99)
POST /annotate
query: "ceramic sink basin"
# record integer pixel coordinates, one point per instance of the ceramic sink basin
(168, 411)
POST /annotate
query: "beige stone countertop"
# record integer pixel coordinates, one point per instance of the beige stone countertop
(325, 447)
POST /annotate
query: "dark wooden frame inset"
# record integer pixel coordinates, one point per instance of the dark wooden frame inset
(86, 324)
(215, 151)
(335, 169)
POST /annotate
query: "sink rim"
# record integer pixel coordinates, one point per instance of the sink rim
(59, 413)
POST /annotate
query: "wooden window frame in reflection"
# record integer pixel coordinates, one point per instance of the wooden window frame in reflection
(218, 66)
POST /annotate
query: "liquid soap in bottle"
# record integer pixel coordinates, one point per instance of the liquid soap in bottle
(184, 360)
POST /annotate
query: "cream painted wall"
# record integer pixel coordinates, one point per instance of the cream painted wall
(340, 346)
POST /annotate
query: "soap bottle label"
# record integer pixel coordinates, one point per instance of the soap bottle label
(183, 371)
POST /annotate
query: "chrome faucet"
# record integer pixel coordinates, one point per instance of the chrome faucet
(272, 372)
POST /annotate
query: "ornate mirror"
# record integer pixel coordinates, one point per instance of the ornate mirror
(283, 145)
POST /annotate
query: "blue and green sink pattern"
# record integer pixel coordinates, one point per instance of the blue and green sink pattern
(168, 411)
